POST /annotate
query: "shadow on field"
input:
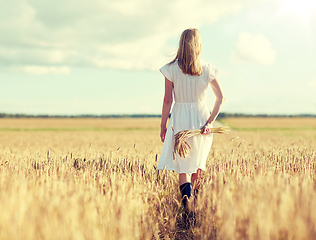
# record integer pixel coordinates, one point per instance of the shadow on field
(188, 225)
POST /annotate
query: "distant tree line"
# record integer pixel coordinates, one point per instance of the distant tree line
(221, 115)
(243, 115)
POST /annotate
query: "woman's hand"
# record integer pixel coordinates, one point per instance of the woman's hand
(163, 131)
(206, 129)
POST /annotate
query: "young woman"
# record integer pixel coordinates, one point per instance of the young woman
(186, 79)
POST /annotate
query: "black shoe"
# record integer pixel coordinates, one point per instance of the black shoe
(185, 190)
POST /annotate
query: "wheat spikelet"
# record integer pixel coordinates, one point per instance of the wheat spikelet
(180, 139)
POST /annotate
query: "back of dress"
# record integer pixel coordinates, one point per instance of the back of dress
(189, 111)
(188, 88)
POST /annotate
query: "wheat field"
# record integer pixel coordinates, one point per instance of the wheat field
(97, 179)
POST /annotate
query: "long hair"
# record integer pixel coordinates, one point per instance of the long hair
(189, 51)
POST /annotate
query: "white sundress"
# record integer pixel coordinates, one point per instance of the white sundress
(188, 112)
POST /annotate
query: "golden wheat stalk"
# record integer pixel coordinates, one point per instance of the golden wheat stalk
(180, 139)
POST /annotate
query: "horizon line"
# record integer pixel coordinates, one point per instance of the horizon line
(220, 115)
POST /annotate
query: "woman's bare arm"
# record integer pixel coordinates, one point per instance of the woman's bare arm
(218, 103)
(167, 102)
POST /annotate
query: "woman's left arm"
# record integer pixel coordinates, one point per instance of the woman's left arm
(218, 103)
(167, 102)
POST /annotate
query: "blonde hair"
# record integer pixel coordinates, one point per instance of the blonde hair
(189, 51)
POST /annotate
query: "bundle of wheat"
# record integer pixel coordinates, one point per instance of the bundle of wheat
(180, 139)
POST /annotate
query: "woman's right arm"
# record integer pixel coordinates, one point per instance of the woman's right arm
(218, 103)
(167, 102)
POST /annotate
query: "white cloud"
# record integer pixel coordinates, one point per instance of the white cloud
(120, 34)
(34, 55)
(253, 48)
(38, 70)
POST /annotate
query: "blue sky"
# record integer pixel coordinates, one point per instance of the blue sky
(102, 57)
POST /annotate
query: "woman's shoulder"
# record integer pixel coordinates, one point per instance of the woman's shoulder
(170, 64)
(208, 67)
(169, 70)
(210, 70)
(205, 64)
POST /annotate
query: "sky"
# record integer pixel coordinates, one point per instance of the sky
(71, 57)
